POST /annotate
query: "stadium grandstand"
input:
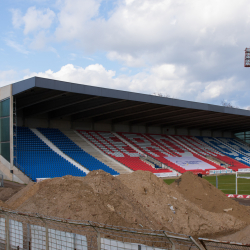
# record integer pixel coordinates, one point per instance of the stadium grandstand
(52, 128)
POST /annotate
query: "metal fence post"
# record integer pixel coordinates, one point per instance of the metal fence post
(236, 183)
(98, 236)
(47, 236)
(28, 237)
(74, 241)
(217, 186)
(200, 246)
(170, 240)
(202, 243)
(7, 232)
(98, 240)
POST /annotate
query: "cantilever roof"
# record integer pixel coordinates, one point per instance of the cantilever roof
(64, 99)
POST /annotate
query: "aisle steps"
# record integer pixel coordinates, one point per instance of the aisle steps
(58, 151)
(91, 149)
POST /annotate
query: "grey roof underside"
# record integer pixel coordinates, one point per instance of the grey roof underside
(37, 96)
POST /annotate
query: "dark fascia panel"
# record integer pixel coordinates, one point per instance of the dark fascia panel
(24, 85)
(111, 93)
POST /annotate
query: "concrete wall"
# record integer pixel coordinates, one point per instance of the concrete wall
(137, 129)
(88, 125)
(182, 131)
(227, 134)
(122, 128)
(194, 132)
(217, 134)
(44, 122)
(5, 92)
(206, 133)
(102, 126)
(169, 131)
(154, 130)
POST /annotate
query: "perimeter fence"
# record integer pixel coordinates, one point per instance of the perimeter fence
(36, 232)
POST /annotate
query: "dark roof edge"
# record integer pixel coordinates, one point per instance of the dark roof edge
(23, 85)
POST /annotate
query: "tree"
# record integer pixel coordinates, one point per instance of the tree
(227, 104)
(162, 94)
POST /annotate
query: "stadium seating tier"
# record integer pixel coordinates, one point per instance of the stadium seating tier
(163, 148)
(37, 160)
(236, 159)
(74, 151)
(118, 150)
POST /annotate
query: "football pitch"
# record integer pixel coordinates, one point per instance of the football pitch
(226, 183)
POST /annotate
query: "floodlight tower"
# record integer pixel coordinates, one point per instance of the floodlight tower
(247, 57)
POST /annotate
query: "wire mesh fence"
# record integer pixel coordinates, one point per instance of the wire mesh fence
(32, 231)
(209, 244)
(227, 183)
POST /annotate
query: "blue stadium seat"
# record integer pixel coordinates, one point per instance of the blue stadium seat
(74, 151)
(228, 148)
(38, 160)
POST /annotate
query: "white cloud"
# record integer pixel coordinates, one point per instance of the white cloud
(7, 77)
(167, 79)
(188, 49)
(128, 59)
(73, 17)
(18, 47)
(39, 40)
(37, 19)
(16, 18)
(94, 74)
(33, 19)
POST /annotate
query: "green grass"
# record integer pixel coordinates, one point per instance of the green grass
(226, 183)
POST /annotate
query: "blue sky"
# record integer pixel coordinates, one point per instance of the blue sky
(191, 50)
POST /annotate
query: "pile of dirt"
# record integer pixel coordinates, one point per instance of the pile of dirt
(242, 236)
(206, 196)
(174, 210)
(97, 197)
(4, 205)
(9, 189)
(16, 200)
(139, 199)
(6, 193)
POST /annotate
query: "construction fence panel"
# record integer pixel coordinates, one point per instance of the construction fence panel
(35, 232)
(217, 245)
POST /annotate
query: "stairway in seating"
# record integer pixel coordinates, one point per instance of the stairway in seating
(92, 150)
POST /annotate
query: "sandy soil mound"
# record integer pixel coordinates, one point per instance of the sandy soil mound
(243, 236)
(4, 205)
(135, 200)
(6, 193)
(97, 197)
(17, 199)
(9, 189)
(200, 192)
(173, 210)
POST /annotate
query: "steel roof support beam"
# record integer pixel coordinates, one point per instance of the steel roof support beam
(78, 108)
(184, 114)
(189, 117)
(36, 98)
(124, 116)
(59, 103)
(146, 113)
(209, 119)
(105, 110)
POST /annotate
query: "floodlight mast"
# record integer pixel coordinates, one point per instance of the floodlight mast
(247, 58)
